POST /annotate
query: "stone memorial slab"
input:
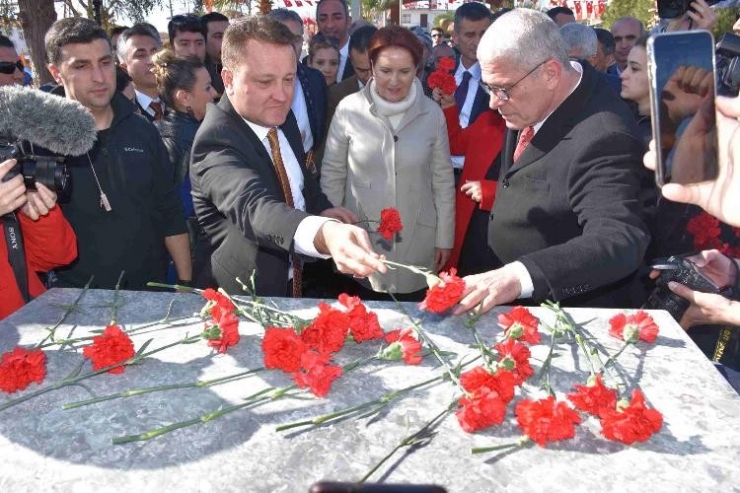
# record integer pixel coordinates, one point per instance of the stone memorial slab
(47, 448)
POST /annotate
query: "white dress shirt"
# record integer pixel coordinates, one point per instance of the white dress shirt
(309, 227)
(144, 101)
(467, 108)
(343, 55)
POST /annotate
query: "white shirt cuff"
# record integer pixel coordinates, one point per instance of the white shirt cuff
(524, 279)
(305, 235)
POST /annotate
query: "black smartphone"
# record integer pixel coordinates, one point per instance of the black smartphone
(682, 74)
(339, 487)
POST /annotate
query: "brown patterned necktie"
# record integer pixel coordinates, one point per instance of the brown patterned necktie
(525, 137)
(277, 161)
(156, 106)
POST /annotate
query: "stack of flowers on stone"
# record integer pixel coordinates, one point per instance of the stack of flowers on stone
(306, 354)
(222, 330)
(489, 388)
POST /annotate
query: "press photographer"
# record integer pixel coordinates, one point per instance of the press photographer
(36, 238)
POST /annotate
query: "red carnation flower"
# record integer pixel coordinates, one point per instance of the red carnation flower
(317, 375)
(443, 80)
(594, 398)
(390, 223)
(634, 423)
(402, 344)
(445, 294)
(328, 331)
(480, 411)
(704, 227)
(225, 333)
(546, 420)
(363, 324)
(446, 63)
(21, 367)
(479, 379)
(217, 305)
(514, 357)
(630, 328)
(519, 322)
(283, 349)
(113, 347)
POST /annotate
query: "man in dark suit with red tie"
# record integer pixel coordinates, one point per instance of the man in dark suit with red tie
(252, 193)
(471, 21)
(567, 224)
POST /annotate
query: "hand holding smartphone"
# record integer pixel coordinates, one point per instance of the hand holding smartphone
(682, 76)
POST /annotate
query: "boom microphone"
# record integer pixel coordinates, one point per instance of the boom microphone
(60, 125)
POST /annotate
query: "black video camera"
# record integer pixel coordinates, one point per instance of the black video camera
(670, 9)
(50, 171)
(683, 271)
(728, 65)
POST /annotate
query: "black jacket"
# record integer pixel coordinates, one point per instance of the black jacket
(134, 171)
(178, 133)
(569, 208)
(239, 202)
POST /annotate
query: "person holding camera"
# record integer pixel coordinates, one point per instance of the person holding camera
(720, 198)
(36, 238)
(684, 15)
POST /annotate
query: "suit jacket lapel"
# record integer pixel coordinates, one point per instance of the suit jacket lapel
(558, 124)
(310, 109)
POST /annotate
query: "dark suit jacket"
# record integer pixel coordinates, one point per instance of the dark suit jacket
(568, 209)
(314, 89)
(338, 92)
(349, 69)
(239, 202)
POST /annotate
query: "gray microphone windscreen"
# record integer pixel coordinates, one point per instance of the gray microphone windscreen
(60, 125)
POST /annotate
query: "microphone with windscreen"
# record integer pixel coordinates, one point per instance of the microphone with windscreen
(30, 118)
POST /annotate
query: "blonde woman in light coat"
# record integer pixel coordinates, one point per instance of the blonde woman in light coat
(387, 147)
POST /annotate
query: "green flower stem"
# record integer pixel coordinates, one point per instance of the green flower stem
(378, 403)
(421, 437)
(546, 365)
(592, 351)
(176, 287)
(116, 294)
(524, 440)
(78, 378)
(486, 353)
(68, 310)
(250, 401)
(264, 395)
(159, 388)
(613, 358)
(432, 346)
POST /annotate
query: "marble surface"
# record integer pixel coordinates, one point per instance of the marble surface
(46, 448)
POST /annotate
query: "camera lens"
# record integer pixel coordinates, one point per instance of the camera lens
(50, 173)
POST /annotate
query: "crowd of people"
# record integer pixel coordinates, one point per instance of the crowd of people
(226, 156)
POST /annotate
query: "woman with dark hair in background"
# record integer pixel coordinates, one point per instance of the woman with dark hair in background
(636, 86)
(388, 147)
(185, 87)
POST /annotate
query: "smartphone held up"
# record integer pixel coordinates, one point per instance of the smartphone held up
(682, 75)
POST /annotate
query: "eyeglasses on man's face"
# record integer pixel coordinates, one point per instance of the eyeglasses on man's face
(8, 68)
(502, 93)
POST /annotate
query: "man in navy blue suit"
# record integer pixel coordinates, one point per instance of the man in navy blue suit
(471, 21)
(582, 45)
(309, 98)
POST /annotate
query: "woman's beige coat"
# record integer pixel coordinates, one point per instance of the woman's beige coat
(369, 166)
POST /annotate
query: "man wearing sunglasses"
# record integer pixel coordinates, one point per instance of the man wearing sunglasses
(11, 67)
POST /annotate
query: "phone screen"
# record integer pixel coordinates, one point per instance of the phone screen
(682, 93)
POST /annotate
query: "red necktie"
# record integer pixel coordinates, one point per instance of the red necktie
(156, 106)
(525, 137)
(277, 161)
